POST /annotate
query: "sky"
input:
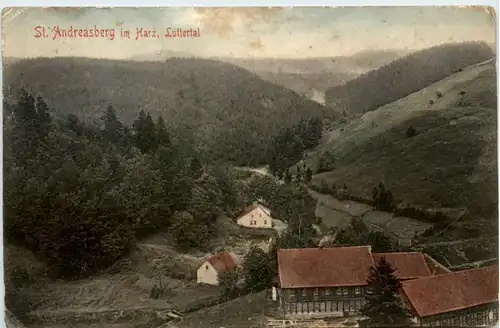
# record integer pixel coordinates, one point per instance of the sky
(279, 32)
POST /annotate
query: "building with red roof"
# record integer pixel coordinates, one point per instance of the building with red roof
(407, 265)
(333, 281)
(214, 266)
(323, 280)
(465, 298)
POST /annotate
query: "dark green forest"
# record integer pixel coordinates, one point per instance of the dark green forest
(405, 76)
(79, 196)
(222, 111)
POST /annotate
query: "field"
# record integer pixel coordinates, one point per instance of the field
(338, 213)
(247, 311)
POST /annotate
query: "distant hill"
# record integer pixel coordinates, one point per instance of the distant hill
(405, 75)
(308, 74)
(451, 161)
(222, 110)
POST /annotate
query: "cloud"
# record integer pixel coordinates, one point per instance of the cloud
(225, 20)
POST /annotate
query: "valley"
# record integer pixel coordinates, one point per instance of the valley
(157, 198)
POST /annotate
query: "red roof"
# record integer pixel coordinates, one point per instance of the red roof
(452, 291)
(323, 267)
(435, 267)
(222, 262)
(408, 265)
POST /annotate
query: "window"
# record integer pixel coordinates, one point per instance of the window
(357, 290)
(206, 267)
(265, 222)
(327, 291)
(260, 215)
(315, 293)
(339, 291)
(303, 293)
(252, 216)
(345, 291)
(293, 296)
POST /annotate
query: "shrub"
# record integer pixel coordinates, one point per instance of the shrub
(439, 94)
(431, 102)
(411, 132)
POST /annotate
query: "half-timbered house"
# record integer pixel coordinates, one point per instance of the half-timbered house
(467, 298)
(325, 281)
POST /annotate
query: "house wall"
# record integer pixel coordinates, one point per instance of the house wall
(486, 314)
(258, 218)
(322, 300)
(206, 274)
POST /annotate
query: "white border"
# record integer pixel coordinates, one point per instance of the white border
(204, 3)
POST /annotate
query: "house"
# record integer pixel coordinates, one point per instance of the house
(332, 281)
(214, 266)
(457, 299)
(256, 216)
(324, 281)
(407, 265)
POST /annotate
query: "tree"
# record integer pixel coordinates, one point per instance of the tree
(187, 232)
(287, 176)
(383, 199)
(293, 204)
(411, 132)
(43, 118)
(162, 135)
(113, 128)
(229, 281)
(298, 175)
(145, 133)
(383, 306)
(308, 175)
(258, 270)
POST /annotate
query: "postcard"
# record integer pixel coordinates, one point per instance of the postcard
(189, 167)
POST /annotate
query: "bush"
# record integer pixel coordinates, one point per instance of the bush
(411, 132)
(439, 94)
(431, 102)
(326, 162)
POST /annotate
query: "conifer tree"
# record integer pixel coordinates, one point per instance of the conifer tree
(308, 175)
(383, 306)
(43, 117)
(113, 128)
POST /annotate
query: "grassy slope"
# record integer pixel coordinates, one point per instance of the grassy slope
(405, 75)
(450, 163)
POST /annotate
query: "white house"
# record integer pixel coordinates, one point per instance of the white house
(256, 216)
(214, 266)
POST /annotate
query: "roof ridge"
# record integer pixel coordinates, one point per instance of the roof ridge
(322, 248)
(461, 272)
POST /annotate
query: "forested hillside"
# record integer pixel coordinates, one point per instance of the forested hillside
(405, 75)
(219, 110)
